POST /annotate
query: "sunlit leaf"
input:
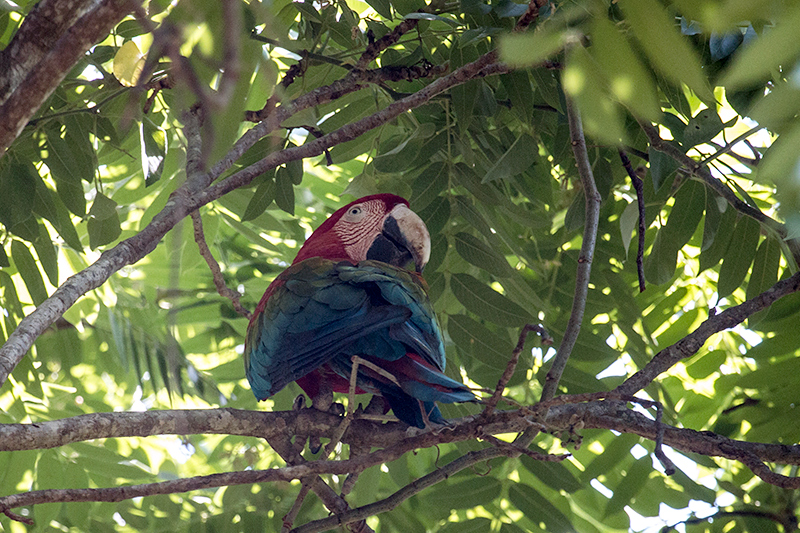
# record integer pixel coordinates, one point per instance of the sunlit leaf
(737, 259)
(669, 51)
(128, 64)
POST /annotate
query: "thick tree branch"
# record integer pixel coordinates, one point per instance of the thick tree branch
(689, 345)
(38, 33)
(393, 438)
(43, 77)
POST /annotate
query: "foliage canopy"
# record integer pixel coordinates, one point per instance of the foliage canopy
(260, 118)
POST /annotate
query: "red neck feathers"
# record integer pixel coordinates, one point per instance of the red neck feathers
(325, 243)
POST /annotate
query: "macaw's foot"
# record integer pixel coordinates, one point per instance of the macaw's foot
(314, 444)
(299, 403)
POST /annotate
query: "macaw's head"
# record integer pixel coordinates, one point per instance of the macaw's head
(380, 227)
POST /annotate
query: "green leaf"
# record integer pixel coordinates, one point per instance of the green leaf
(518, 86)
(690, 201)
(26, 265)
(628, 79)
(429, 184)
(517, 159)
(308, 11)
(630, 485)
(777, 109)
(260, 200)
(537, 508)
(48, 255)
(756, 61)
(712, 252)
(686, 213)
(739, 256)
(705, 365)
(436, 214)
(476, 341)
(586, 83)
(429, 16)
(628, 224)
(486, 302)
(465, 94)
(703, 127)
(18, 183)
(103, 225)
(465, 494)
(669, 51)
(554, 475)
(295, 170)
(478, 253)
(528, 49)
(382, 7)
(284, 191)
(49, 475)
(765, 267)
(659, 265)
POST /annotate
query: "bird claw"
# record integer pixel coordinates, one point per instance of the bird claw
(314, 445)
(336, 409)
(299, 403)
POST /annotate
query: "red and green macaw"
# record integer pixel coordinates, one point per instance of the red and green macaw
(346, 294)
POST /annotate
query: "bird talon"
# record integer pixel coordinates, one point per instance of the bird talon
(299, 403)
(314, 445)
(336, 409)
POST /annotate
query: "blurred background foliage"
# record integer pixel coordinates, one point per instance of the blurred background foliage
(490, 169)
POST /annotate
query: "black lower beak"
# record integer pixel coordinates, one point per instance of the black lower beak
(390, 246)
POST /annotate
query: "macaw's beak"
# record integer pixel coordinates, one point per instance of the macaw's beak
(403, 238)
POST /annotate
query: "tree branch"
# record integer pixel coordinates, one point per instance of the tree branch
(689, 345)
(636, 181)
(43, 26)
(592, 197)
(43, 77)
(219, 281)
(700, 171)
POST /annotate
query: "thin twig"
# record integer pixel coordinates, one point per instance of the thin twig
(729, 146)
(592, 197)
(530, 15)
(516, 450)
(638, 185)
(511, 366)
(219, 281)
(700, 171)
(405, 493)
(335, 503)
(288, 519)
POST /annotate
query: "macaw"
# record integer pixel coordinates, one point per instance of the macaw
(346, 294)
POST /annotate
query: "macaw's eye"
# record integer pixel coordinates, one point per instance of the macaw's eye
(354, 214)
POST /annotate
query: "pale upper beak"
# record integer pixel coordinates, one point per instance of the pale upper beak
(404, 237)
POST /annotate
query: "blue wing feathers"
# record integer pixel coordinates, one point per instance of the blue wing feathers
(322, 312)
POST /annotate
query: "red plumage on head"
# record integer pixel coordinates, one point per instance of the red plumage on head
(326, 244)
